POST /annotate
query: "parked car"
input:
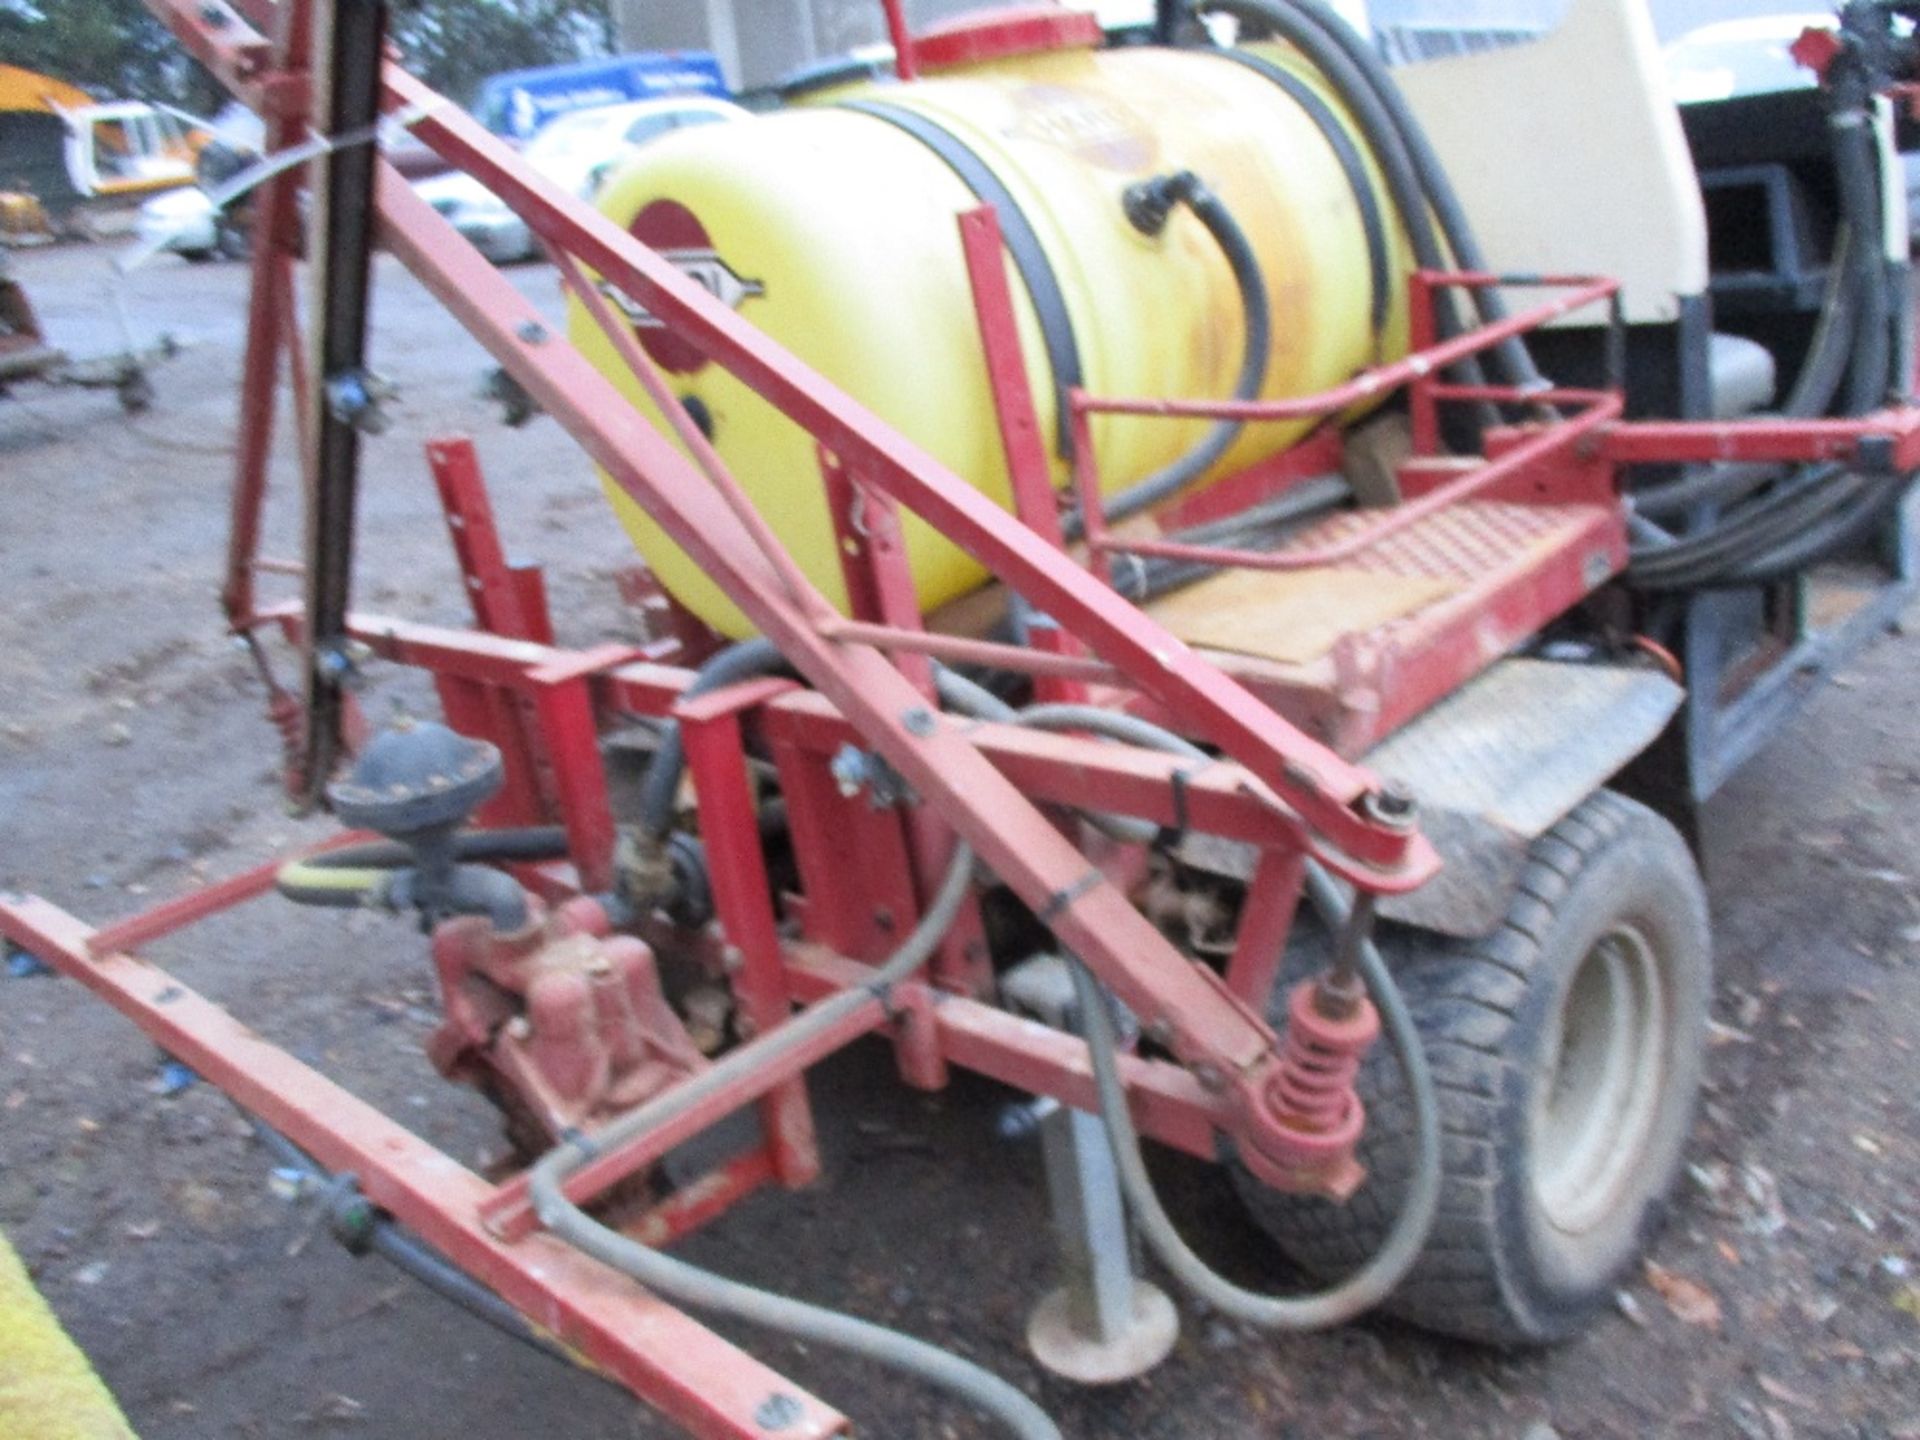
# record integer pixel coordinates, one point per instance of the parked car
(189, 221)
(577, 152)
(1730, 59)
(184, 221)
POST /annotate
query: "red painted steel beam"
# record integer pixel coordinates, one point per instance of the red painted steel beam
(1370, 385)
(1029, 473)
(508, 1211)
(1324, 787)
(1092, 918)
(1536, 446)
(729, 811)
(1667, 442)
(1168, 1104)
(220, 38)
(197, 905)
(698, 1379)
(1222, 799)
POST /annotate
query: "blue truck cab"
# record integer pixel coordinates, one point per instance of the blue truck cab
(517, 103)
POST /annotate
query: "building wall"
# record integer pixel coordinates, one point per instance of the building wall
(758, 41)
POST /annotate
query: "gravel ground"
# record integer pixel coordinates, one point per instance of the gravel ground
(134, 765)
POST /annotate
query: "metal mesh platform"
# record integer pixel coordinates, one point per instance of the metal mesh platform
(1353, 649)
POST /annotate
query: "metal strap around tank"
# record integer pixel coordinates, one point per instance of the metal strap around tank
(1029, 256)
(1347, 151)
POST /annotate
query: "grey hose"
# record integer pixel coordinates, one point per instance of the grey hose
(701, 1289)
(959, 693)
(1375, 1280)
(661, 785)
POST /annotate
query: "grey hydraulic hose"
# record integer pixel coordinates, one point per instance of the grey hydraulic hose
(1375, 1280)
(703, 1290)
(962, 694)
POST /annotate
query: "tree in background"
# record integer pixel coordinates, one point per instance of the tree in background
(112, 49)
(455, 44)
(115, 49)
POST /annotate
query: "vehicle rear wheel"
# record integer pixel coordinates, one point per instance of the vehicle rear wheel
(1566, 1048)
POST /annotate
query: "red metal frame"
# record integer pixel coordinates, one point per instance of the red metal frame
(1281, 784)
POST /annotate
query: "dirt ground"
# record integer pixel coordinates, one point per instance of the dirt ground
(134, 765)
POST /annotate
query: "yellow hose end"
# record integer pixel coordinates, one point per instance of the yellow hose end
(48, 1390)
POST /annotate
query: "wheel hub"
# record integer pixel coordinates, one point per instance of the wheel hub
(1605, 1067)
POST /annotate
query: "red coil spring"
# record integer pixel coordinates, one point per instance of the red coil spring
(1319, 1061)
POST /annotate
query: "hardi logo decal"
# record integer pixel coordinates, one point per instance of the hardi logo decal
(677, 234)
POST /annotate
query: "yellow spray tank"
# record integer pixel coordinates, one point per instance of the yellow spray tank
(832, 227)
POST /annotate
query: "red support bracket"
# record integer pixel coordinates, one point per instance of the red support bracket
(698, 1379)
(730, 831)
(569, 731)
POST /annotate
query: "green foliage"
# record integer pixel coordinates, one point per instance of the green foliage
(455, 44)
(114, 49)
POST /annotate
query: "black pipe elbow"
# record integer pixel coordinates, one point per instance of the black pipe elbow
(1149, 203)
(469, 890)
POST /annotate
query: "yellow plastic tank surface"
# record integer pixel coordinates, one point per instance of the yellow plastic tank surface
(834, 232)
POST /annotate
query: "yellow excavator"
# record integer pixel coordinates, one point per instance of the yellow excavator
(62, 154)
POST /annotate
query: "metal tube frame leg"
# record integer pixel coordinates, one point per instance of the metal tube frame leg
(1102, 1323)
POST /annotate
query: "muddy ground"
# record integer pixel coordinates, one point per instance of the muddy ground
(134, 766)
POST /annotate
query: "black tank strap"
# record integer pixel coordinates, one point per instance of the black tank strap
(1029, 257)
(1351, 161)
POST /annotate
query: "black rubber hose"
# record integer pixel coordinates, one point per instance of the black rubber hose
(1754, 538)
(526, 843)
(1846, 526)
(1418, 181)
(1828, 354)
(1149, 205)
(469, 890)
(1752, 528)
(1856, 155)
(415, 1258)
(660, 787)
(1778, 522)
(1833, 335)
